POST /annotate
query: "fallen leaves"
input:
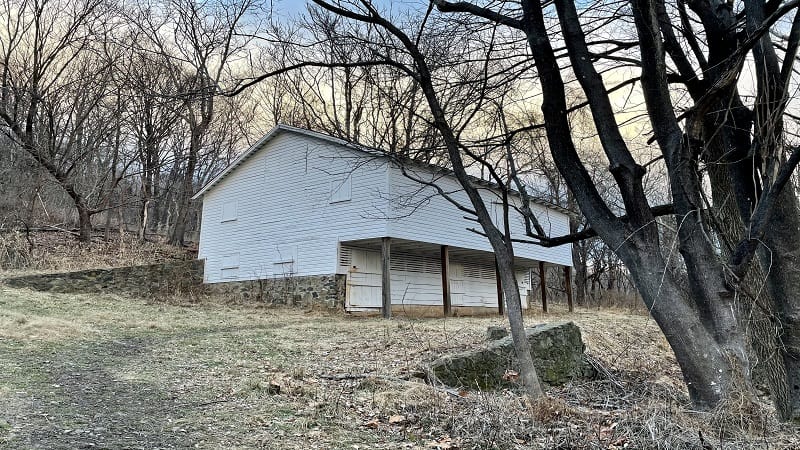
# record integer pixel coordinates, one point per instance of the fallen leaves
(394, 420)
(443, 443)
(510, 375)
(373, 424)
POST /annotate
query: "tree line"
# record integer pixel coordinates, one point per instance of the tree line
(105, 107)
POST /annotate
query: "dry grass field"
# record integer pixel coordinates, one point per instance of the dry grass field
(119, 372)
(91, 371)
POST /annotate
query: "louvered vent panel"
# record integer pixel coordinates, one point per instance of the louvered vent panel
(472, 270)
(345, 256)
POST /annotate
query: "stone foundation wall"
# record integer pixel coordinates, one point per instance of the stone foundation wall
(173, 277)
(322, 290)
(186, 277)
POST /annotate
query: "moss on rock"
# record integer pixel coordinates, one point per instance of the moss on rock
(557, 350)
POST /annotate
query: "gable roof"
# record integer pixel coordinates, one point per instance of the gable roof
(281, 128)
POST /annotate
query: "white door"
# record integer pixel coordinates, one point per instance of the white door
(364, 280)
(456, 283)
(416, 280)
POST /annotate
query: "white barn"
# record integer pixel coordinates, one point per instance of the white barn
(305, 205)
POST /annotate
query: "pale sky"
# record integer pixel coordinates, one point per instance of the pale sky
(289, 8)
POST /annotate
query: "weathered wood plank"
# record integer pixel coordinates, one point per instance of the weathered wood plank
(386, 277)
(446, 296)
(543, 285)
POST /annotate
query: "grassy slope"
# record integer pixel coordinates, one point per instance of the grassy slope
(117, 372)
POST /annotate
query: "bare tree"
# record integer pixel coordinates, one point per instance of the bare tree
(56, 100)
(404, 52)
(699, 319)
(331, 92)
(153, 118)
(199, 43)
(691, 291)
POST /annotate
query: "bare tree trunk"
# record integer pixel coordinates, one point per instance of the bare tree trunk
(147, 195)
(580, 281)
(187, 188)
(144, 218)
(783, 282)
(84, 221)
(107, 231)
(182, 212)
(713, 364)
(522, 348)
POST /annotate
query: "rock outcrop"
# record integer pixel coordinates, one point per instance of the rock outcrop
(557, 350)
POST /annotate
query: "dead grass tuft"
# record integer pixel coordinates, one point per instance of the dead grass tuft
(403, 396)
(741, 414)
(40, 252)
(15, 251)
(549, 410)
(30, 327)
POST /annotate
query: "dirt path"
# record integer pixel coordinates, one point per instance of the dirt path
(78, 402)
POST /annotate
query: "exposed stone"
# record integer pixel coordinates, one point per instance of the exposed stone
(172, 277)
(557, 351)
(494, 333)
(327, 291)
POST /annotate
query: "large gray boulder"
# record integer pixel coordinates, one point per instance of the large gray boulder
(557, 351)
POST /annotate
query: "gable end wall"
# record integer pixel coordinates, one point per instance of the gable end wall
(286, 224)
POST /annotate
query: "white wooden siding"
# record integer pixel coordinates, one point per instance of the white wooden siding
(422, 215)
(283, 198)
(417, 280)
(298, 196)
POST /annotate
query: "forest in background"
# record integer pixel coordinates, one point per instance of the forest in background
(670, 126)
(114, 114)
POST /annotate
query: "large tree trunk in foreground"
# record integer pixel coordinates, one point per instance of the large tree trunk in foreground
(687, 303)
(713, 363)
(783, 284)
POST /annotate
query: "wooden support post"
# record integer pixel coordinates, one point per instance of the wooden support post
(386, 277)
(446, 298)
(501, 306)
(543, 285)
(568, 286)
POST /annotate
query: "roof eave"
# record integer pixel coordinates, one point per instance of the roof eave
(376, 152)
